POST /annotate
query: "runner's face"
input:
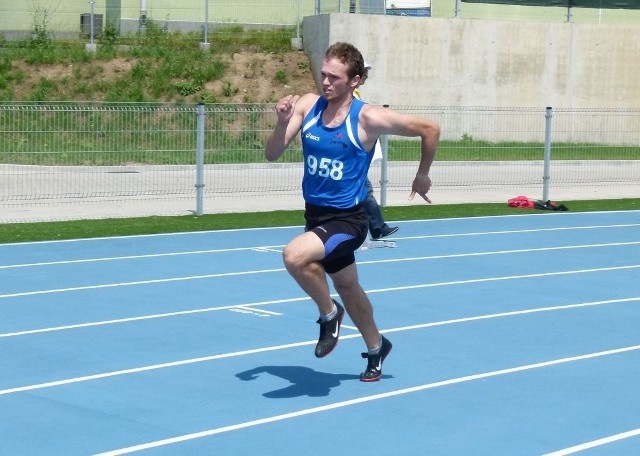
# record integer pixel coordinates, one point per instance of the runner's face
(335, 82)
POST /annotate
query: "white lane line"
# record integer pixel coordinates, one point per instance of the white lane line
(299, 344)
(268, 249)
(138, 257)
(213, 309)
(501, 252)
(139, 282)
(595, 443)
(230, 274)
(297, 227)
(68, 381)
(153, 316)
(530, 230)
(353, 328)
(515, 277)
(249, 309)
(278, 248)
(102, 239)
(513, 313)
(375, 397)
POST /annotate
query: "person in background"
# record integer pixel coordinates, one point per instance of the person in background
(378, 228)
(339, 134)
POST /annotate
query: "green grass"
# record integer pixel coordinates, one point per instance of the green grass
(83, 147)
(474, 150)
(29, 232)
(168, 66)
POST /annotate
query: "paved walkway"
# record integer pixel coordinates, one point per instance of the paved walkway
(170, 190)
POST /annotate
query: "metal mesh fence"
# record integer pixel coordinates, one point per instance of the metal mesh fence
(505, 146)
(70, 18)
(73, 152)
(64, 161)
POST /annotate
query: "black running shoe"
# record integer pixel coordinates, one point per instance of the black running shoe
(374, 365)
(329, 332)
(388, 231)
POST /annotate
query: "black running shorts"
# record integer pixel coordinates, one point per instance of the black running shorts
(342, 232)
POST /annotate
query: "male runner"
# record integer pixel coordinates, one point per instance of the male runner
(338, 135)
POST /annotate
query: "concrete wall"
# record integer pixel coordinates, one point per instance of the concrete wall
(475, 62)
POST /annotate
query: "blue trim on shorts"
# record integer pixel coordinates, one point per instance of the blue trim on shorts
(334, 241)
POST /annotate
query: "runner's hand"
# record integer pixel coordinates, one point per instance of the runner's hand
(286, 106)
(421, 185)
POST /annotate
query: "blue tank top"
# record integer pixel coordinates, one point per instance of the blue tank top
(336, 164)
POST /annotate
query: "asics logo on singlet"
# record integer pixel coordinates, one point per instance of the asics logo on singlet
(312, 137)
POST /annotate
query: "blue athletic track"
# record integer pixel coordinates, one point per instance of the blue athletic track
(514, 335)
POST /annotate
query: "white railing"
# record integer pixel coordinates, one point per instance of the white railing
(66, 161)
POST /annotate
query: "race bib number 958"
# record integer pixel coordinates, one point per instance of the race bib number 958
(325, 167)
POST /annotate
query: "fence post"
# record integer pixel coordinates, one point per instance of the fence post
(384, 169)
(91, 46)
(200, 161)
(143, 16)
(547, 154)
(205, 45)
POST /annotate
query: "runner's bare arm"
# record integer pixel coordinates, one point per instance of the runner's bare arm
(376, 121)
(290, 111)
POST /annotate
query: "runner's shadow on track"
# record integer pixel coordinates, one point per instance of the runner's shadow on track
(304, 381)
